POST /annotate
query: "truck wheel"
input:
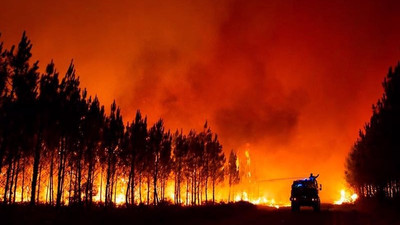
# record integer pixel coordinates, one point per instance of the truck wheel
(295, 207)
(317, 207)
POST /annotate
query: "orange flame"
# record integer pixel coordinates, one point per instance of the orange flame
(346, 196)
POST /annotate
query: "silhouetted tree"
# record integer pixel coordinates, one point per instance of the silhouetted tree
(4, 99)
(70, 118)
(180, 152)
(217, 161)
(373, 165)
(156, 134)
(49, 105)
(233, 172)
(195, 161)
(135, 143)
(165, 162)
(26, 119)
(50, 129)
(114, 132)
(93, 128)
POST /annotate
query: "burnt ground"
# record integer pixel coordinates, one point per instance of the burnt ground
(241, 213)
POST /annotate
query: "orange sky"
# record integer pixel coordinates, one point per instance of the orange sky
(293, 82)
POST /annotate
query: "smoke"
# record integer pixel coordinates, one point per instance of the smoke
(228, 83)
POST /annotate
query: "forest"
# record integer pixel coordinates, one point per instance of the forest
(373, 164)
(58, 146)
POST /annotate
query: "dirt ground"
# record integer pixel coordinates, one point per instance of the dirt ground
(231, 214)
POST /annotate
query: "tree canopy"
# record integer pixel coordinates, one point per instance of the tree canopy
(58, 146)
(373, 165)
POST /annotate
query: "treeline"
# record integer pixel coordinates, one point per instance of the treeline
(373, 165)
(57, 144)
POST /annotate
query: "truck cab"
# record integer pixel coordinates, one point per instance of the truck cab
(305, 193)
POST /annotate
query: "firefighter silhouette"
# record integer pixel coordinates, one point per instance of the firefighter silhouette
(314, 179)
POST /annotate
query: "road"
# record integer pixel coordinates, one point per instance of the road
(235, 214)
(329, 214)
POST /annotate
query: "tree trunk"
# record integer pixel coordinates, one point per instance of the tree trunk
(108, 182)
(7, 180)
(70, 200)
(148, 189)
(140, 187)
(155, 197)
(79, 192)
(12, 182)
(132, 185)
(192, 192)
(187, 191)
(115, 189)
(38, 190)
(51, 189)
(89, 183)
(36, 167)
(179, 187)
(61, 170)
(127, 192)
(229, 194)
(3, 150)
(205, 187)
(213, 187)
(23, 182)
(75, 196)
(198, 190)
(101, 183)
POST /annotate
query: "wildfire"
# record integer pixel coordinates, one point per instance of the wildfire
(247, 154)
(247, 190)
(259, 201)
(120, 199)
(346, 196)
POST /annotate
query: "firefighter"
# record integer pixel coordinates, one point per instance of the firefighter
(312, 177)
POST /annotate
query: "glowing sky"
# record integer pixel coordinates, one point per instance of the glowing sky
(292, 82)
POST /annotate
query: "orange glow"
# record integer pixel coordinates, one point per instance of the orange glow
(286, 84)
(346, 196)
(260, 200)
(237, 163)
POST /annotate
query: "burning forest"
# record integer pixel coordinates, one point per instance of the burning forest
(199, 112)
(59, 147)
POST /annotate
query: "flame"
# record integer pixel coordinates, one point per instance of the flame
(346, 196)
(249, 189)
(243, 196)
(247, 154)
(120, 199)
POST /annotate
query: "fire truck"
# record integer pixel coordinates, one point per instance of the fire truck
(305, 193)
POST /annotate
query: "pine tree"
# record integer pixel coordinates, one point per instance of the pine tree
(156, 134)
(373, 164)
(180, 151)
(165, 162)
(114, 132)
(217, 161)
(26, 118)
(233, 172)
(4, 99)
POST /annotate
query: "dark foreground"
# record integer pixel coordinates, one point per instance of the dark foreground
(241, 213)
